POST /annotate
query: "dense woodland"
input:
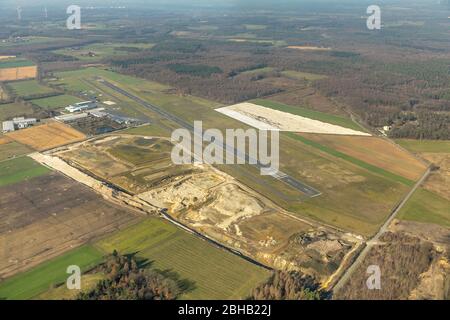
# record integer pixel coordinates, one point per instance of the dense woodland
(412, 97)
(290, 285)
(402, 259)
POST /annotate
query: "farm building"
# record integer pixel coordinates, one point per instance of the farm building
(82, 106)
(17, 123)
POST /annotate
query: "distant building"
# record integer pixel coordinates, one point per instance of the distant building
(82, 106)
(98, 114)
(17, 124)
(71, 117)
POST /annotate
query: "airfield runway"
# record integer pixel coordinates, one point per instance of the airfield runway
(281, 176)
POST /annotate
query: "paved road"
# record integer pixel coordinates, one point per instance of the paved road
(290, 181)
(375, 239)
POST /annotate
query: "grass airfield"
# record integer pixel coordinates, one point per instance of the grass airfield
(358, 190)
(358, 194)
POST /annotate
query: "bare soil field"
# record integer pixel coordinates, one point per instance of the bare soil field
(135, 164)
(47, 136)
(48, 215)
(427, 231)
(269, 119)
(19, 73)
(4, 140)
(439, 181)
(375, 151)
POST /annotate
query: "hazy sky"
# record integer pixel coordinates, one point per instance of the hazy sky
(178, 4)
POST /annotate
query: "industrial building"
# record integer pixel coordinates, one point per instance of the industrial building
(17, 124)
(71, 117)
(82, 106)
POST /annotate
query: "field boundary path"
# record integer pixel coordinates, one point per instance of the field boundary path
(375, 239)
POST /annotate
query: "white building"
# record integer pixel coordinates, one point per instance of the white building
(71, 117)
(22, 123)
(8, 126)
(18, 123)
(82, 106)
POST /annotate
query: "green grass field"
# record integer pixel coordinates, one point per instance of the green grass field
(298, 75)
(20, 169)
(88, 282)
(27, 40)
(431, 146)
(212, 272)
(28, 88)
(14, 63)
(11, 110)
(75, 80)
(148, 130)
(308, 113)
(103, 50)
(13, 149)
(39, 279)
(260, 70)
(141, 155)
(56, 102)
(426, 206)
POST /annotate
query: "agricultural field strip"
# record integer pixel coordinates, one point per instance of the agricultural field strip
(19, 169)
(309, 191)
(152, 238)
(35, 281)
(427, 207)
(387, 174)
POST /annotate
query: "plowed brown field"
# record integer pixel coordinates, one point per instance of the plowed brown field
(47, 136)
(19, 73)
(375, 151)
